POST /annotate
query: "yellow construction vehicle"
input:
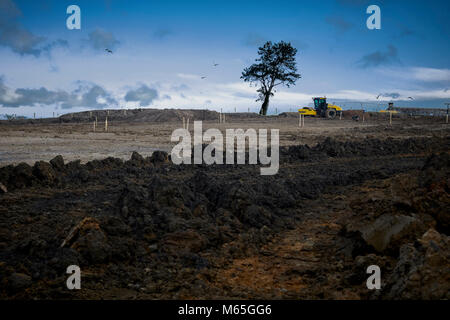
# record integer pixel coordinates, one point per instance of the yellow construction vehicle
(321, 109)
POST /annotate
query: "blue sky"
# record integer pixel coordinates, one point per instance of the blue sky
(162, 49)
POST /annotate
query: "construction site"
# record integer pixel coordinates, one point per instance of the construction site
(350, 192)
(224, 159)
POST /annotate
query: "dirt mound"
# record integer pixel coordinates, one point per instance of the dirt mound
(153, 115)
(166, 231)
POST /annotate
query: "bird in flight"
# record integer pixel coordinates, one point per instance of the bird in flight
(411, 98)
(203, 77)
(108, 50)
(215, 64)
(378, 96)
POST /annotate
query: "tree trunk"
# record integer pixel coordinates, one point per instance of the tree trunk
(265, 105)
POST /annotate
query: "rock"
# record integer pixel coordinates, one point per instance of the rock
(385, 231)
(3, 188)
(89, 240)
(19, 281)
(44, 171)
(137, 157)
(22, 176)
(159, 157)
(422, 272)
(57, 163)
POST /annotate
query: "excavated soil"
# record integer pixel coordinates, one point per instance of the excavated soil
(145, 228)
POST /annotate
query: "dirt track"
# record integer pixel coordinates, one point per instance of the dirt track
(145, 228)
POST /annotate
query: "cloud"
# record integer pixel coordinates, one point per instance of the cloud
(100, 40)
(188, 76)
(339, 23)
(55, 44)
(421, 74)
(89, 96)
(393, 95)
(379, 58)
(144, 95)
(162, 33)
(430, 74)
(13, 34)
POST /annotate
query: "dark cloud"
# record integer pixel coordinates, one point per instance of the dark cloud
(379, 58)
(54, 44)
(144, 95)
(91, 96)
(100, 40)
(90, 99)
(162, 33)
(393, 95)
(16, 37)
(339, 23)
(13, 34)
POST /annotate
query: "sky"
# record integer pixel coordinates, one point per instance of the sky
(162, 50)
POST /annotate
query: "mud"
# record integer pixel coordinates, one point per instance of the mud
(145, 228)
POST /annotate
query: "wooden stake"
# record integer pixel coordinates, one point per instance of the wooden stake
(303, 120)
(94, 126)
(187, 124)
(390, 117)
(224, 118)
(299, 119)
(106, 124)
(184, 124)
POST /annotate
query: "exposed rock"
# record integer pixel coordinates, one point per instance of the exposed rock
(22, 176)
(57, 163)
(44, 171)
(389, 231)
(89, 240)
(3, 188)
(422, 271)
(137, 157)
(159, 157)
